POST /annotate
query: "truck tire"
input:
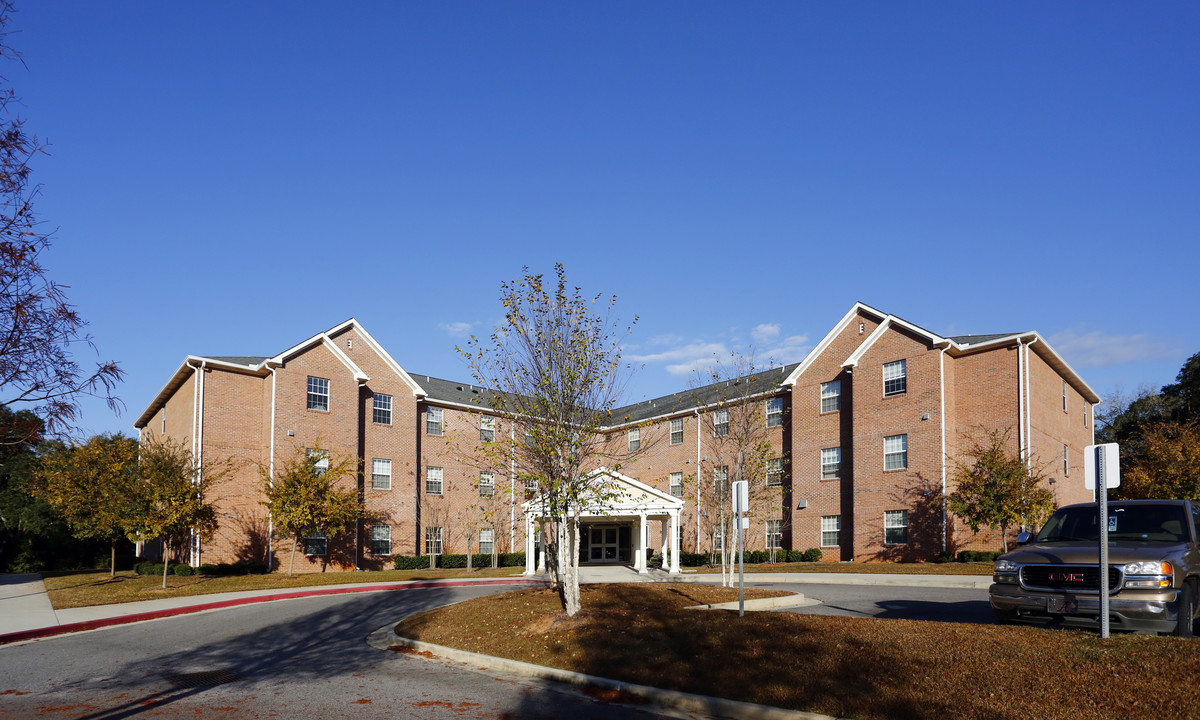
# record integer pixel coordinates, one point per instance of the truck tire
(1187, 611)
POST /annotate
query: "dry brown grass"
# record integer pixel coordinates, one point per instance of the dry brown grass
(876, 568)
(847, 667)
(75, 589)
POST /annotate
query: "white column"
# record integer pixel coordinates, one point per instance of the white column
(663, 529)
(639, 545)
(529, 544)
(673, 544)
(541, 566)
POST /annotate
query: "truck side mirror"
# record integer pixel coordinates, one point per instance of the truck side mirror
(1023, 538)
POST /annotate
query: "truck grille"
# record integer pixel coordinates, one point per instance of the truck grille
(1074, 578)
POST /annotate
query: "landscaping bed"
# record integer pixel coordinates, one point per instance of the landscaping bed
(845, 667)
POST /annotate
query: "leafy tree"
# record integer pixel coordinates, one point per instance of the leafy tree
(174, 495)
(737, 446)
(38, 326)
(304, 496)
(1169, 463)
(95, 487)
(1183, 395)
(555, 365)
(994, 488)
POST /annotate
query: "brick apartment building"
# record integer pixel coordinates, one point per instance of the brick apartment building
(861, 432)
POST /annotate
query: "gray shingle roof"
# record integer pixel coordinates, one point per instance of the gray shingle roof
(979, 339)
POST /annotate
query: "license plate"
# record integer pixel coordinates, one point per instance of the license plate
(1062, 606)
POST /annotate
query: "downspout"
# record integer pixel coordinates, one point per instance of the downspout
(271, 479)
(1021, 401)
(699, 480)
(1028, 413)
(512, 485)
(942, 382)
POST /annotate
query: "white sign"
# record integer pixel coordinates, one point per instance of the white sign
(1102, 461)
(741, 496)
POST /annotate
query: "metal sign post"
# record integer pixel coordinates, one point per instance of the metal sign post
(1102, 470)
(741, 501)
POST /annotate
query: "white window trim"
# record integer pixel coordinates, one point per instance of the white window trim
(777, 415)
(487, 428)
(672, 484)
(441, 421)
(900, 514)
(441, 480)
(316, 536)
(673, 431)
(318, 395)
(837, 462)
(776, 533)
(376, 409)
(903, 364)
(634, 439)
(775, 467)
(487, 480)
(375, 465)
(433, 535)
(836, 529)
(903, 453)
(376, 540)
(835, 396)
(490, 541)
(720, 423)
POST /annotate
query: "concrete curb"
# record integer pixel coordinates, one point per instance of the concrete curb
(385, 638)
(966, 582)
(50, 631)
(758, 604)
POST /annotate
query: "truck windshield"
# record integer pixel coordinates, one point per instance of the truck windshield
(1152, 523)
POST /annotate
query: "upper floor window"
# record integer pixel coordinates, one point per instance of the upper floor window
(831, 463)
(720, 423)
(775, 412)
(433, 421)
(895, 378)
(635, 439)
(530, 484)
(487, 484)
(433, 480)
(1066, 463)
(677, 431)
(677, 484)
(318, 393)
(775, 472)
(487, 428)
(381, 474)
(831, 396)
(319, 460)
(1064, 394)
(721, 479)
(895, 452)
(381, 409)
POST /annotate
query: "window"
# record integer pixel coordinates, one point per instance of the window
(895, 378)
(895, 527)
(381, 539)
(831, 530)
(381, 409)
(487, 541)
(775, 412)
(831, 396)
(381, 474)
(433, 540)
(677, 431)
(487, 429)
(433, 480)
(718, 538)
(774, 534)
(635, 439)
(775, 472)
(315, 544)
(1064, 393)
(531, 484)
(318, 394)
(319, 460)
(720, 423)
(895, 452)
(433, 421)
(1066, 463)
(721, 479)
(487, 484)
(831, 463)
(677, 484)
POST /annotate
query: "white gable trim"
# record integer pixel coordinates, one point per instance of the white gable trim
(660, 501)
(826, 341)
(388, 360)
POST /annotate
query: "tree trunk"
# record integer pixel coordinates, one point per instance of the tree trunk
(569, 564)
(166, 563)
(112, 565)
(292, 559)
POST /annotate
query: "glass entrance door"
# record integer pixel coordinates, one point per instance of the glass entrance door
(603, 543)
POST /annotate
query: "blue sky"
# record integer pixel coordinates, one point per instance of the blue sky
(231, 178)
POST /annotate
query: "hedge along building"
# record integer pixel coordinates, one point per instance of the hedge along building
(861, 433)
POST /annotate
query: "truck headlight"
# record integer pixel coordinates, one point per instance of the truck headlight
(1005, 566)
(1160, 574)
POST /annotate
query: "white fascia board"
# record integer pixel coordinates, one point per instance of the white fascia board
(828, 339)
(1042, 348)
(865, 345)
(668, 500)
(417, 390)
(359, 376)
(185, 369)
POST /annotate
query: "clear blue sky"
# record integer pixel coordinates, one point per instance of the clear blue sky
(231, 178)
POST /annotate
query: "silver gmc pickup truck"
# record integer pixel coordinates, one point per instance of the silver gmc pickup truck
(1153, 571)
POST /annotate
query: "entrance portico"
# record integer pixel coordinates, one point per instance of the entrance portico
(615, 530)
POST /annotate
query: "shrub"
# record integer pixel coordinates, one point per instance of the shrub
(411, 562)
(690, 559)
(207, 569)
(811, 555)
(148, 568)
(516, 559)
(181, 570)
(655, 561)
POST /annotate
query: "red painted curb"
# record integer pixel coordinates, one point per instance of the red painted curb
(171, 612)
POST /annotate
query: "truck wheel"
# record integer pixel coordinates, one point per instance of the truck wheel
(1187, 611)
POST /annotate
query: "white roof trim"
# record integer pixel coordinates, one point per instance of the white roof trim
(331, 346)
(865, 345)
(816, 352)
(661, 501)
(1043, 348)
(418, 391)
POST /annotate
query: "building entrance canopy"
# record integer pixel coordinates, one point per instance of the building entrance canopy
(618, 500)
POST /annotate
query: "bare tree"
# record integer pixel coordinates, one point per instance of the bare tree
(555, 366)
(736, 420)
(38, 327)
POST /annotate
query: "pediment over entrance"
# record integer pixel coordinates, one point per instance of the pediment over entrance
(618, 494)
